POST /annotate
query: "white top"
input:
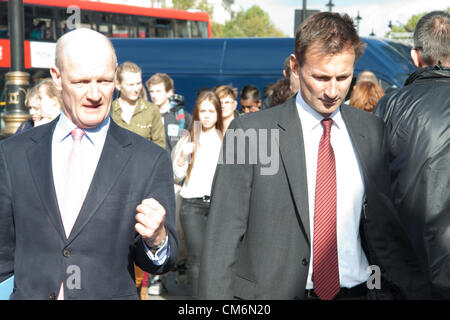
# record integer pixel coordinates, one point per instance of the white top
(353, 265)
(127, 111)
(202, 174)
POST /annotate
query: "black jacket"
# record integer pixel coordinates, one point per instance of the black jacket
(418, 121)
(175, 121)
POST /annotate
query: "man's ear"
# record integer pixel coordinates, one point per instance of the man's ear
(416, 58)
(56, 76)
(294, 65)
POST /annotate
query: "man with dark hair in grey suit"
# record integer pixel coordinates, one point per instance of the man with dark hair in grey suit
(313, 220)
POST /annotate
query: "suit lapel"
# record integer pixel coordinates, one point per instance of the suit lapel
(292, 153)
(113, 159)
(39, 158)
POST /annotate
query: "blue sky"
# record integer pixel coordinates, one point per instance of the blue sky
(375, 14)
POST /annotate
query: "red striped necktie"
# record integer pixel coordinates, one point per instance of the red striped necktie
(325, 254)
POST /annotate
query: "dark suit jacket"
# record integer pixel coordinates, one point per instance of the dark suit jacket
(257, 243)
(103, 243)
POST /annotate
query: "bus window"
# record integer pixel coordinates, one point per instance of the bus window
(123, 26)
(87, 21)
(103, 21)
(151, 28)
(42, 29)
(202, 27)
(3, 20)
(195, 29)
(104, 29)
(163, 28)
(39, 23)
(143, 25)
(181, 29)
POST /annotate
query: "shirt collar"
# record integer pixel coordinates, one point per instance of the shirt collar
(310, 118)
(95, 135)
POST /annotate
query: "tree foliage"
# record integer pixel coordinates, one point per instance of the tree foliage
(253, 22)
(205, 7)
(410, 26)
(183, 4)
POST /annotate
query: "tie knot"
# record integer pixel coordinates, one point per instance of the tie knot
(77, 134)
(326, 124)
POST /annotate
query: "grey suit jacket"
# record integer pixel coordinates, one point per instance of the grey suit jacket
(103, 244)
(257, 243)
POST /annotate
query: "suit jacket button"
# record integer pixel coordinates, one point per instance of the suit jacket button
(66, 253)
(52, 296)
(305, 262)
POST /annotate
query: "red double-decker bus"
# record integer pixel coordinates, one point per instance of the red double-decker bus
(47, 20)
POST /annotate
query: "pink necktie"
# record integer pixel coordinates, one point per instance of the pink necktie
(325, 254)
(73, 193)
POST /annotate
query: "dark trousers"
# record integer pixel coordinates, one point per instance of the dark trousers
(193, 215)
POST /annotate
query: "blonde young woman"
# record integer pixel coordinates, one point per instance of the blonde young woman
(194, 160)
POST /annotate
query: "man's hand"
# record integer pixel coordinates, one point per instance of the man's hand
(150, 222)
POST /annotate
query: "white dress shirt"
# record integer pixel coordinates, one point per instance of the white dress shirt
(91, 145)
(353, 264)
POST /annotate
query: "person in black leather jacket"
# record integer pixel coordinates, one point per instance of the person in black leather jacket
(417, 117)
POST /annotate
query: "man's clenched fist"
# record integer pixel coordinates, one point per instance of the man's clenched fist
(150, 222)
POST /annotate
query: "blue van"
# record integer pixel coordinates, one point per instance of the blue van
(205, 63)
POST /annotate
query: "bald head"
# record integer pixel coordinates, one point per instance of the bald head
(82, 43)
(84, 72)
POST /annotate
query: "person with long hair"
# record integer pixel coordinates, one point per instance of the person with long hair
(365, 95)
(194, 160)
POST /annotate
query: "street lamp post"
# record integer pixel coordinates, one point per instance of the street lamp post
(304, 11)
(330, 5)
(17, 81)
(358, 20)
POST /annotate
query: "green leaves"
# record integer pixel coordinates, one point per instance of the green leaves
(253, 22)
